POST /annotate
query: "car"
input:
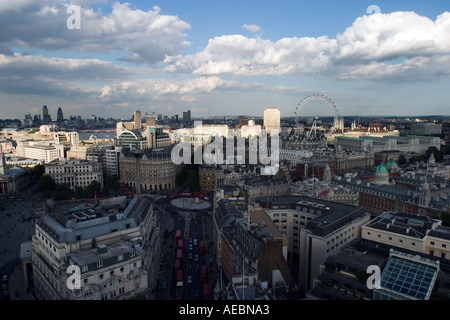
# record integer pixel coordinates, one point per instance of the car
(190, 246)
(189, 280)
(196, 293)
(190, 240)
(190, 255)
(195, 242)
(196, 257)
(5, 278)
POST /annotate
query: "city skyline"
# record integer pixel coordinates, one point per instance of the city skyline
(216, 58)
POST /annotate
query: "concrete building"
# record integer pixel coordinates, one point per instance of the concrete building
(272, 120)
(154, 168)
(137, 119)
(425, 129)
(408, 144)
(75, 172)
(314, 229)
(12, 180)
(113, 244)
(412, 232)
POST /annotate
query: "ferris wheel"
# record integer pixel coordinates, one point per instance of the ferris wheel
(319, 97)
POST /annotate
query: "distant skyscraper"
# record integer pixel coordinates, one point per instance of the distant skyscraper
(60, 116)
(187, 117)
(150, 120)
(45, 116)
(272, 119)
(137, 120)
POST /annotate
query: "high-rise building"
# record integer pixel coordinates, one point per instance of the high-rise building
(187, 117)
(137, 120)
(272, 119)
(46, 118)
(60, 116)
(150, 120)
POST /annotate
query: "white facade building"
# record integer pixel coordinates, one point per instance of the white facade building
(75, 172)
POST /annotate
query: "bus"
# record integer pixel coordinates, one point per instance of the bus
(179, 254)
(202, 247)
(178, 235)
(179, 287)
(177, 265)
(204, 276)
(206, 295)
(180, 244)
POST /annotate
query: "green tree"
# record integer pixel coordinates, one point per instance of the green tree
(445, 217)
(46, 183)
(94, 187)
(401, 160)
(192, 180)
(436, 152)
(63, 192)
(112, 184)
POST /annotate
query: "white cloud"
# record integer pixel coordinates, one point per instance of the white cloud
(148, 36)
(365, 50)
(251, 27)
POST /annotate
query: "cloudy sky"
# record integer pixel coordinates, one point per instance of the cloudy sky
(219, 57)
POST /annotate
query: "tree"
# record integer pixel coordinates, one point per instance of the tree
(445, 217)
(46, 183)
(112, 184)
(436, 152)
(401, 160)
(94, 187)
(63, 192)
(192, 180)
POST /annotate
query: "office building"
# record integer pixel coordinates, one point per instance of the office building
(75, 172)
(113, 244)
(272, 119)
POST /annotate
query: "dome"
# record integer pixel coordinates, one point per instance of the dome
(391, 164)
(381, 169)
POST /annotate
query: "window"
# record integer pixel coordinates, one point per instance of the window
(444, 245)
(413, 243)
(432, 243)
(99, 264)
(84, 268)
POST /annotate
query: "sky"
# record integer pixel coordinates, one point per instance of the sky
(234, 57)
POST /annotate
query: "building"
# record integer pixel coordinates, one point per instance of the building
(137, 120)
(75, 172)
(272, 119)
(187, 118)
(12, 180)
(314, 229)
(413, 232)
(426, 129)
(46, 118)
(150, 120)
(251, 252)
(113, 244)
(133, 138)
(153, 168)
(41, 150)
(59, 116)
(207, 177)
(408, 144)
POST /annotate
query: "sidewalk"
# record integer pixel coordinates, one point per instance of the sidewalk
(16, 284)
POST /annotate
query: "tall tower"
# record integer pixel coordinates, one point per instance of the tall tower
(272, 119)
(2, 163)
(137, 120)
(45, 116)
(60, 116)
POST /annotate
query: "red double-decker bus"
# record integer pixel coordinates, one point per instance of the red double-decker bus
(177, 265)
(202, 247)
(178, 235)
(204, 275)
(180, 254)
(206, 294)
